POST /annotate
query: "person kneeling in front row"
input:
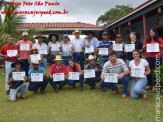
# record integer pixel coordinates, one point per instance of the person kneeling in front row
(115, 66)
(36, 83)
(17, 85)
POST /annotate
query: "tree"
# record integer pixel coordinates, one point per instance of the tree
(113, 14)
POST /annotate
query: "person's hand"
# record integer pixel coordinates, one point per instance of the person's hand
(17, 55)
(144, 47)
(125, 51)
(87, 45)
(44, 75)
(111, 47)
(29, 79)
(72, 48)
(102, 77)
(60, 47)
(11, 79)
(97, 70)
(25, 78)
(120, 76)
(161, 46)
(6, 56)
(97, 49)
(145, 73)
(130, 72)
(50, 48)
(51, 76)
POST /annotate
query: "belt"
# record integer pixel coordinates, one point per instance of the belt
(78, 52)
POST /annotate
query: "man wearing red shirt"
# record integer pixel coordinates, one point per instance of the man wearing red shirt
(58, 67)
(10, 52)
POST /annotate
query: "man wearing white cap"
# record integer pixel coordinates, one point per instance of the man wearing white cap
(93, 65)
(24, 45)
(78, 55)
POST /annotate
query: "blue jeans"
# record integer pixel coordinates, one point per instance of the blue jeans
(137, 87)
(8, 69)
(44, 63)
(66, 59)
(25, 66)
(127, 63)
(54, 84)
(79, 57)
(72, 82)
(124, 80)
(103, 61)
(22, 88)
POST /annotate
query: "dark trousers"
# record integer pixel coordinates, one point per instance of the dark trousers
(152, 64)
(54, 84)
(35, 85)
(25, 66)
(79, 57)
(92, 81)
(73, 82)
(66, 59)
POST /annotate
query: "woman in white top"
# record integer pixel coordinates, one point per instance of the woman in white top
(139, 68)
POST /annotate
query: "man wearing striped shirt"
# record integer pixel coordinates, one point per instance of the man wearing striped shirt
(115, 66)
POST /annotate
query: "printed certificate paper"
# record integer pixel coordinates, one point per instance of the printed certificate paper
(111, 78)
(55, 47)
(37, 77)
(118, 47)
(18, 75)
(89, 73)
(137, 72)
(58, 77)
(42, 51)
(103, 51)
(129, 47)
(12, 53)
(24, 47)
(89, 49)
(153, 48)
(67, 48)
(73, 76)
(35, 57)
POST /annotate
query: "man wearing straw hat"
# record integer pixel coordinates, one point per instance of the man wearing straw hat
(58, 67)
(24, 45)
(34, 85)
(78, 55)
(43, 50)
(93, 65)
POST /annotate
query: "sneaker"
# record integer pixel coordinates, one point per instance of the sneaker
(23, 97)
(153, 89)
(114, 92)
(124, 96)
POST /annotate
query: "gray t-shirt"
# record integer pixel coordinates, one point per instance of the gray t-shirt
(118, 68)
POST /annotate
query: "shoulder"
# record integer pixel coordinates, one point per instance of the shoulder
(120, 61)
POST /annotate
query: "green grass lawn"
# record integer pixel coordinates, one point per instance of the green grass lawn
(72, 106)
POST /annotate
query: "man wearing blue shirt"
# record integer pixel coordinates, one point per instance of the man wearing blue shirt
(34, 85)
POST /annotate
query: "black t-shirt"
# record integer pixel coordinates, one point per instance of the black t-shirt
(15, 83)
(138, 45)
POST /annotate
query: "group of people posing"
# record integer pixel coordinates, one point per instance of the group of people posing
(26, 63)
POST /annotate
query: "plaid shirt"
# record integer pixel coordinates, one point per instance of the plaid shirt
(66, 49)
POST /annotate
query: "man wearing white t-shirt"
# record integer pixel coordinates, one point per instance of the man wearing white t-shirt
(78, 54)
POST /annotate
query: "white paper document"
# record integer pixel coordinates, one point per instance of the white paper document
(43, 51)
(58, 77)
(111, 78)
(103, 51)
(153, 48)
(73, 76)
(24, 47)
(89, 74)
(35, 57)
(129, 47)
(12, 53)
(36, 77)
(137, 72)
(18, 76)
(118, 47)
(67, 48)
(89, 49)
(55, 47)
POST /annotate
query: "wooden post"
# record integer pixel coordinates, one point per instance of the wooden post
(145, 26)
(119, 30)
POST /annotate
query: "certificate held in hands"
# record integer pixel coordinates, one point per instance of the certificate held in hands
(73, 76)
(111, 78)
(153, 47)
(18, 76)
(12, 53)
(35, 57)
(103, 51)
(89, 74)
(43, 51)
(118, 47)
(24, 47)
(137, 72)
(37, 77)
(129, 47)
(55, 47)
(89, 49)
(58, 77)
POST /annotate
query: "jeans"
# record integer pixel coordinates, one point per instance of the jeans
(92, 81)
(124, 80)
(25, 66)
(13, 92)
(35, 85)
(44, 63)
(103, 61)
(137, 87)
(72, 82)
(152, 64)
(79, 57)
(127, 63)
(54, 84)
(66, 59)
(8, 69)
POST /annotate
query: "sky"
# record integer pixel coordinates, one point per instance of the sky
(86, 11)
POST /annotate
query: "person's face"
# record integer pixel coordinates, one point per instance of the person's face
(53, 38)
(152, 34)
(71, 63)
(92, 62)
(34, 51)
(89, 36)
(119, 39)
(35, 66)
(11, 41)
(40, 39)
(132, 37)
(77, 35)
(25, 37)
(105, 37)
(58, 62)
(17, 66)
(112, 58)
(136, 55)
(66, 39)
